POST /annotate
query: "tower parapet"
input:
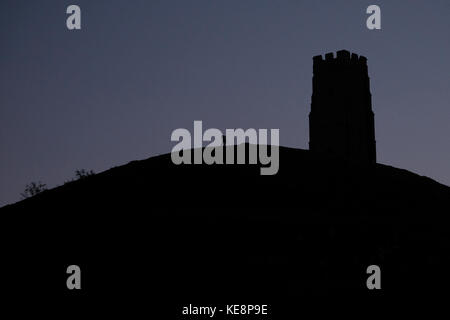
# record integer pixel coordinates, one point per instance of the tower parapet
(343, 59)
(341, 118)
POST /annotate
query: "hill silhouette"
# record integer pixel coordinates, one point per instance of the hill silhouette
(211, 232)
(305, 178)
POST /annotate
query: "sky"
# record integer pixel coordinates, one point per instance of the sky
(115, 90)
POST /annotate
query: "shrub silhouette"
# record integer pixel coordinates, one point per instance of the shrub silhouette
(33, 189)
(81, 174)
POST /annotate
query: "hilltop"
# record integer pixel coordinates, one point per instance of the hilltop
(212, 230)
(305, 180)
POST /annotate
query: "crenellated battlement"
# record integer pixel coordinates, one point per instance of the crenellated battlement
(342, 57)
(342, 60)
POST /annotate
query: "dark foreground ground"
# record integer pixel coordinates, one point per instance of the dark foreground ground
(151, 237)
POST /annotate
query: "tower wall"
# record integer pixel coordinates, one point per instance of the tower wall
(341, 121)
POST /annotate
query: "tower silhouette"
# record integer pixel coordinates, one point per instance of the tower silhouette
(341, 121)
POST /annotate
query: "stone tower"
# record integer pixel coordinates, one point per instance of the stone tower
(341, 121)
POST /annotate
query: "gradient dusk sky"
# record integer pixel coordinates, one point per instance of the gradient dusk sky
(115, 90)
